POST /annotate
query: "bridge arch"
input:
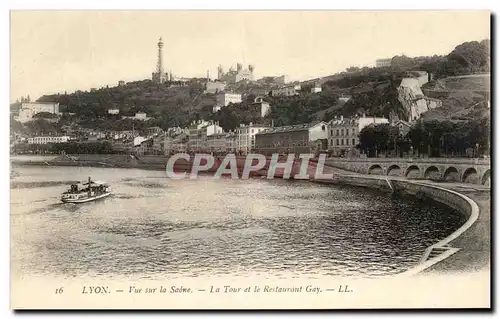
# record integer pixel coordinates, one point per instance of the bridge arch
(470, 175)
(412, 172)
(375, 170)
(432, 172)
(451, 174)
(394, 170)
(486, 180)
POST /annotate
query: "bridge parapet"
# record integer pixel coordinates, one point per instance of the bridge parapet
(475, 170)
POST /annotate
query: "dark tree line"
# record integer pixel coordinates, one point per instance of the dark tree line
(432, 138)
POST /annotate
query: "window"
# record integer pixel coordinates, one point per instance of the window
(346, 141)
(337, 142)
(331, 132)
(331, 142)
(337, 133)
(342, 132)
(342, 141)
(347, 132)
(322, 127)
(353, 142)
(353, 131)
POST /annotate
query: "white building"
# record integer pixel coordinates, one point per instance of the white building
(212, 129)
(231, 142)
(287, 90)
(381, 63)
(235, 76)
(343, 134)
(48, 139)
(344, 98)
(141, 116)
(245, 137)
(316, 89)
(224, 98)
(114, 111)
(261, 106)
(139, 139)
(28, 110)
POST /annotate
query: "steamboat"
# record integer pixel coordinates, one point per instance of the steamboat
(86, 192)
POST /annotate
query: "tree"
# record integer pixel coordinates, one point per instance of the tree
(376, 139)
(471, 56)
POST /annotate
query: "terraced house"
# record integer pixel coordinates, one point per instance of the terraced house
(301, 138)
(343, 134)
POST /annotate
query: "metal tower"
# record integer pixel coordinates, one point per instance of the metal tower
(160, 76)
(159, 65)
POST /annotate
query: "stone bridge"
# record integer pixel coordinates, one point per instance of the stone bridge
(466, 170)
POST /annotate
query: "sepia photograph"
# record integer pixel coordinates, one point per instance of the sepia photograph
(250, 159)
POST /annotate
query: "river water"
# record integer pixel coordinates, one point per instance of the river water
(153, 227)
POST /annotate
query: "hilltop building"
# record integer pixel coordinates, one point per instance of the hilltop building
(141, 116)
(28, 110)
(287, 90)
(276, 80)
(224, 98)
(381, 63)
(316, 88)
(235, 76)
(114, 111)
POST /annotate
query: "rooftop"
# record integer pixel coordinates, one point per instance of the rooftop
(289, 128)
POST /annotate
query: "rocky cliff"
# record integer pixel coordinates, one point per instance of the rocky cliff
(413, 100)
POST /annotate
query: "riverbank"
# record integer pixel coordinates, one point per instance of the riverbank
(467, 249)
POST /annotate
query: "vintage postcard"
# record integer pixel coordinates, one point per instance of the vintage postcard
(250, 159)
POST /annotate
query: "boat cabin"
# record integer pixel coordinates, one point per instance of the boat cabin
(95, 186)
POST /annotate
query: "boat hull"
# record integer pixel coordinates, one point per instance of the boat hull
(84, 200)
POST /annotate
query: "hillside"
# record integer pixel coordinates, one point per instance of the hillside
(464, 97)
(374, 91)
(169, 104)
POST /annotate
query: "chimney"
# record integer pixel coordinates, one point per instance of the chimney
(251, 124)
(364, 115)
(341, 117)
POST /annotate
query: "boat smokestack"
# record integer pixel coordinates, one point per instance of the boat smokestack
(90, 193)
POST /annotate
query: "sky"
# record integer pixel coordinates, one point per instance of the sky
(58, 51)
